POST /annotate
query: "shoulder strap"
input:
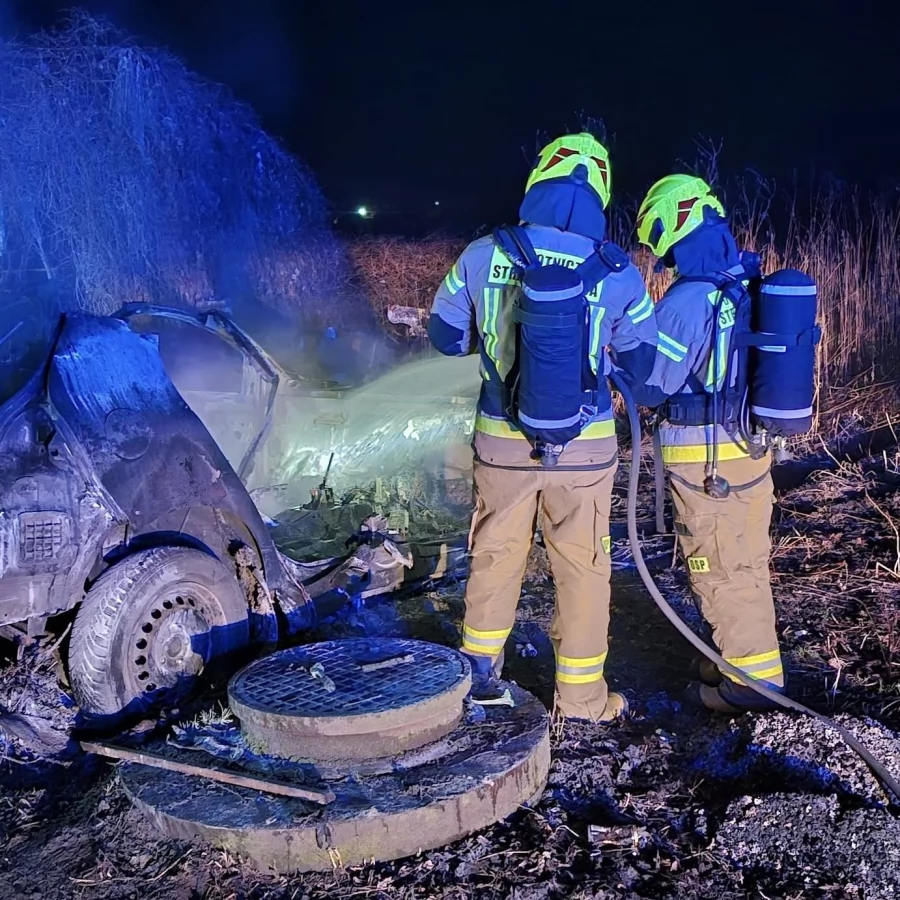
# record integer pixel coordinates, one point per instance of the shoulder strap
(728, 285)
(513, 240)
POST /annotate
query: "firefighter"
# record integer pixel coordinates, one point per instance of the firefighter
(563, 219)
(722, 495)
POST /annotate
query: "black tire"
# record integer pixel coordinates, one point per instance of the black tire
(149, 627)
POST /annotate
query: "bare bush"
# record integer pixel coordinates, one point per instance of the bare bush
(402, 272)
(125, 176)
(850, 244)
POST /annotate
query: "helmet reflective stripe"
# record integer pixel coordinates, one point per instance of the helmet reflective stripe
(560, 159)
(672, 209)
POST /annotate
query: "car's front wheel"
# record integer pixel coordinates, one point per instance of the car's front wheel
(149, 627)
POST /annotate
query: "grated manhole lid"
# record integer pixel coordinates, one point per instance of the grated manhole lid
(397, 693)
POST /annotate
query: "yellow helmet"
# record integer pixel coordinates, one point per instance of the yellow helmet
(561, 157)
(672, 209)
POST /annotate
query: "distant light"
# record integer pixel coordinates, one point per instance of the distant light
(363, 212)
(437, 202)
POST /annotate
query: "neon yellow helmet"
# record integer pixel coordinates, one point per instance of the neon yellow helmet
(672, 209)
(561, 157)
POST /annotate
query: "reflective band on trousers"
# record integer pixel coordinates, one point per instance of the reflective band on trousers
(761, 667)
(580, 670)
(700, 453)
(487, 643)
(504, 429)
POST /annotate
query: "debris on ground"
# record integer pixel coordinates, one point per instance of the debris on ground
(671, 803)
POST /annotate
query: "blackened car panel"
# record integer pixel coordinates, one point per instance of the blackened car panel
(146, 447)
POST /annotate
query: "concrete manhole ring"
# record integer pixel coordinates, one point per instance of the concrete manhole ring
(486, 769)
(373, 697)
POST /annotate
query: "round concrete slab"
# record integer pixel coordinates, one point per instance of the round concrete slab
(477, 775)
(350, 699)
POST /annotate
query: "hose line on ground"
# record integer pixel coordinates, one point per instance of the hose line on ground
(698, 643)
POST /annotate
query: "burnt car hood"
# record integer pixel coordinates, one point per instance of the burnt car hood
(147, 449)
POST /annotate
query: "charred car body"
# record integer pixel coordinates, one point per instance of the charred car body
(117, 503)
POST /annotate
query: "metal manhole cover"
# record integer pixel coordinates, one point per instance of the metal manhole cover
(351, 699)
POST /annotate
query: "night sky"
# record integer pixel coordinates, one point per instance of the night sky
(399, 104)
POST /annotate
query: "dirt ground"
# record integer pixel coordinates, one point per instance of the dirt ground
(673, 803)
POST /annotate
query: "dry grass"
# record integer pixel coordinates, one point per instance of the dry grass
(394, 271)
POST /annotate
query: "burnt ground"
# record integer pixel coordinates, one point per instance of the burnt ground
(672, 803)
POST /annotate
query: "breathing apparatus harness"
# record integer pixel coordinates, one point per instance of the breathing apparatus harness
(765, 392)
(552, 394)
(729, 393)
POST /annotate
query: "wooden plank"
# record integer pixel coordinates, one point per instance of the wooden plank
(147, 758)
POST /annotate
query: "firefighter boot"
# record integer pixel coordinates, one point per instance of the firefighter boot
(616, 708)
(485, 676)
(708, 672)
(729, 697)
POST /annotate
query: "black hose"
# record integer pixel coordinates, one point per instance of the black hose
(744, 426)
(781, 700)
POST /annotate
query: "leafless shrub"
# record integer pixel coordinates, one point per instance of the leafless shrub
(403, 272)
(125, 176)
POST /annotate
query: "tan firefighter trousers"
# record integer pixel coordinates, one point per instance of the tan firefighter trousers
(575, 510)
(726, 547)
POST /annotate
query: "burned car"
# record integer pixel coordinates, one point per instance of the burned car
(117, 504)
